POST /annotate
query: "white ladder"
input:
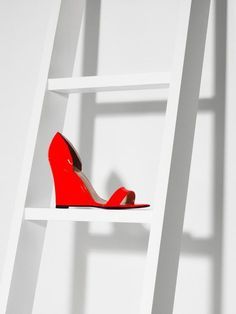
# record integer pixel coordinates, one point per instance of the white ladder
(166, 215)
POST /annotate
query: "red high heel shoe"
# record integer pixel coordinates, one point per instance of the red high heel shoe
(72, 188)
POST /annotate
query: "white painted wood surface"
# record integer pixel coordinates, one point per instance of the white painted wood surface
(167, 227)
(92, 84)
(90, 214)
(18, 218)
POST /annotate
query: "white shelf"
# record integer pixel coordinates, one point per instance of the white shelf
(142, 215)
(91, 84)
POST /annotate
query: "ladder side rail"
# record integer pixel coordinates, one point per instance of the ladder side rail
(18, 217)
(166, 229)
(63, 61)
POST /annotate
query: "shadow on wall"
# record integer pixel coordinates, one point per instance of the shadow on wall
(118, 240)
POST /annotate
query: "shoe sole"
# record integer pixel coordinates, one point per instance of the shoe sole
(103, 207)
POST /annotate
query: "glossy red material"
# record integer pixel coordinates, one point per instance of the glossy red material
(71, 189)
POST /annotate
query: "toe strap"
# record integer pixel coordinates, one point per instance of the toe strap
(121, 196)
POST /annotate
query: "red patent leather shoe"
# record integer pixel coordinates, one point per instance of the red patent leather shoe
(72, 188)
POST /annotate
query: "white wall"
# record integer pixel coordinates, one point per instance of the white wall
(99, 268)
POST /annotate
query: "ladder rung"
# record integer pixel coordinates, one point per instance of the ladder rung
(90, 214)
(90, 84)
